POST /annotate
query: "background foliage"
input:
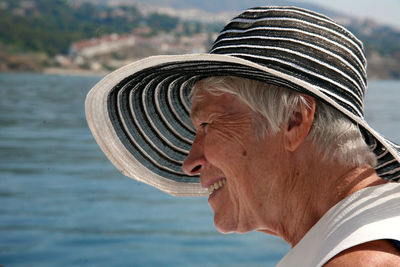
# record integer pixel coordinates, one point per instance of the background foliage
(49, 27)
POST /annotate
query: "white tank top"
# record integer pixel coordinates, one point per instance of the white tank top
(372, 213)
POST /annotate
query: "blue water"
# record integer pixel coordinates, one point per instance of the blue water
(63, 204)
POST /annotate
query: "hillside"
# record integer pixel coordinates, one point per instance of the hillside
(35, 35)
(219, 6)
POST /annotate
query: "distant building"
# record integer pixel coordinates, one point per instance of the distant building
(163, 42)
(103, 45)
(112, 51)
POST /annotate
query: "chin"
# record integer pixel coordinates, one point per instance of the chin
(226, 227)
(223, 227)
(224, 230)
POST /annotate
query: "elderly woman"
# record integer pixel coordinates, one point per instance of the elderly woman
(270, 126)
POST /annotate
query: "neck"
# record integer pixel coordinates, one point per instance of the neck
(314, 190)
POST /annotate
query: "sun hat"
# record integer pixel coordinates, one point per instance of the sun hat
(140, 113)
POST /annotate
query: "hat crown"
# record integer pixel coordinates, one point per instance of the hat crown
(302, 44)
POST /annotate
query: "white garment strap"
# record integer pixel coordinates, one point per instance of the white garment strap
(370, 214)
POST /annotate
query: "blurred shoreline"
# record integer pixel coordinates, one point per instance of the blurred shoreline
(73, 72)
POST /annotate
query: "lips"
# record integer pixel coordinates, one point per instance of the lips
(216, 185)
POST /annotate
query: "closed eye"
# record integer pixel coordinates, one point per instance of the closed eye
(203, 124)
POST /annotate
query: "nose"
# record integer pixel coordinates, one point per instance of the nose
(195, 161)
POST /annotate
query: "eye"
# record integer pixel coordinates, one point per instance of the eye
(203, 124)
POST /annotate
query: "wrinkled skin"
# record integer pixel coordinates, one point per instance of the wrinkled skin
(226, 146)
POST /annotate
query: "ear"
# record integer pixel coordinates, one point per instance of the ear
(299, 124)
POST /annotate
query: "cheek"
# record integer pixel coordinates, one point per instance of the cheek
(227, 151)
(224, 144)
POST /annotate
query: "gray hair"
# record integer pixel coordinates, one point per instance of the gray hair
(334, 136)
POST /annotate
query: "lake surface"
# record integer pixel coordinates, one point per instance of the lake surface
(62, 203)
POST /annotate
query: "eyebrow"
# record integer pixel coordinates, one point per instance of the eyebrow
(194, 114)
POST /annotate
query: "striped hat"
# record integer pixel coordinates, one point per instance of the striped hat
(140, 113)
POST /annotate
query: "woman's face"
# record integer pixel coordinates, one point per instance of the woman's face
(241, 169)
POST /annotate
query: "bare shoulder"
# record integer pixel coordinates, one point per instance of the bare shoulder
(374, 253)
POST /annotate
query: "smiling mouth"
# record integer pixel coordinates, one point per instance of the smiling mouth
(217, 185)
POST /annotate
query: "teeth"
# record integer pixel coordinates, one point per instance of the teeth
(217, 185)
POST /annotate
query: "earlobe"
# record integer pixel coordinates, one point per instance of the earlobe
(299, 125)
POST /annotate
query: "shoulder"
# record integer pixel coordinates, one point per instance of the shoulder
(374, 253)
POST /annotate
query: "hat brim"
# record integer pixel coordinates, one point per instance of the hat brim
(140, 116)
